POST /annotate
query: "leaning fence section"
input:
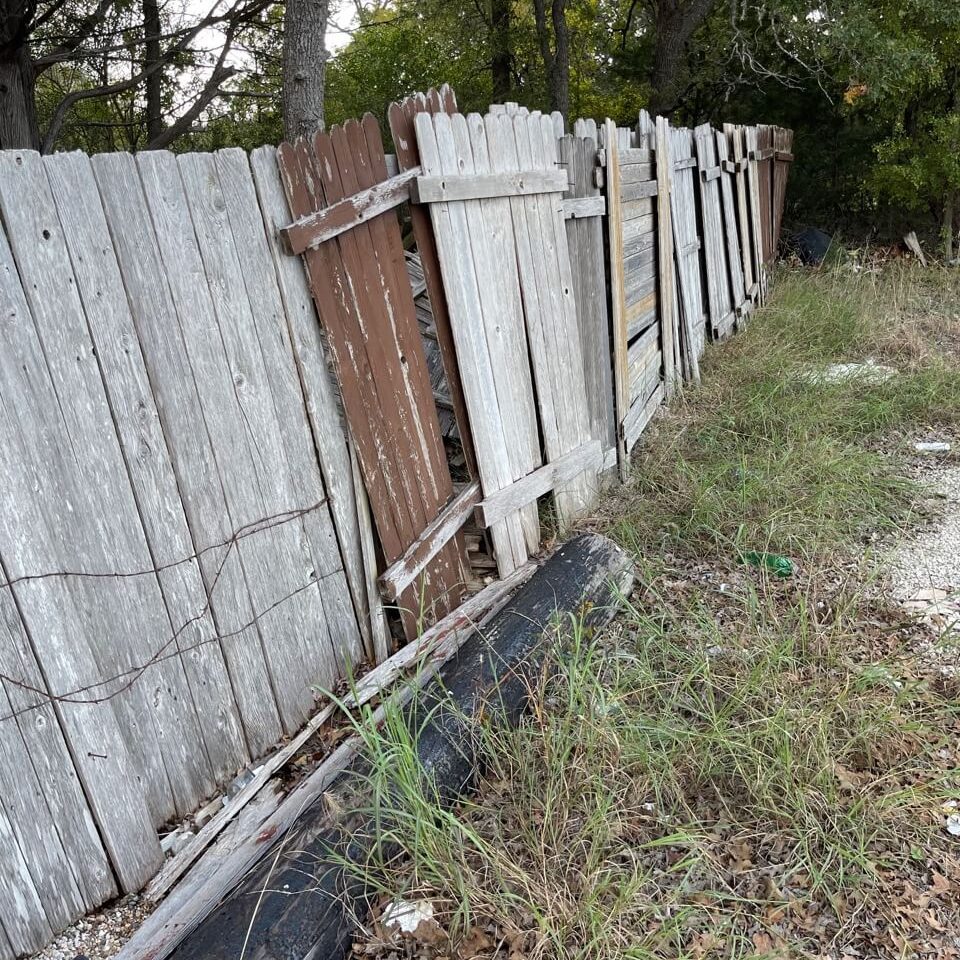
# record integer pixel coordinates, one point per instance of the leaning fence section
(264, 417)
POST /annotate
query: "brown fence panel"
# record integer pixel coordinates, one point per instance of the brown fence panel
(365, 301)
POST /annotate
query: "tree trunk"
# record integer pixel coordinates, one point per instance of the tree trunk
(676, 21)
(304, 66)
(560, 81)
(151, 56)
(18, 112)
(556, 57)
(501, 62)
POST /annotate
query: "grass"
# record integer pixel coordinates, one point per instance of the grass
(762, 458)
(739, 766)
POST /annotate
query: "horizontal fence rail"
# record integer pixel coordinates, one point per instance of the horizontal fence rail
(267, 416)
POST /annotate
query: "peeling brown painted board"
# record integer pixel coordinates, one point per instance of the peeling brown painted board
(328, 427)
(324, 225)
(396, 426)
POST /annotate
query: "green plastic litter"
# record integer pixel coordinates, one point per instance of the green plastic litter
(777, 565)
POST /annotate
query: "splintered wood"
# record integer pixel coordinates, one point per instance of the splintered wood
(365, 302)
(509, 290)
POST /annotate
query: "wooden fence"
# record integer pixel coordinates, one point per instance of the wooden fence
(212, 503)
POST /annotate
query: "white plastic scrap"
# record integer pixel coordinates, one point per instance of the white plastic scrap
(932, 446)
(407, 915)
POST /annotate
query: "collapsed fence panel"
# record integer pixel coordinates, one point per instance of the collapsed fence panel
(494, 189)
(401, 118)
(364, 299)
(483, 295)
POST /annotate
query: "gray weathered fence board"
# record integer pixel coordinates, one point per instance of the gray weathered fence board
(555, 341)
(734, 136)
(686, 244)
(173, 316)
(33, 527)
(714, 241)
(303, 478)
(585, 241)
(151, 476)
(105, 531)
(296, 639)
(42, 794)
(481, 305)
(730, 227)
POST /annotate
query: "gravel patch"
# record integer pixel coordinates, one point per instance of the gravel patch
(924, 572)
(931, 560)
(101, 934)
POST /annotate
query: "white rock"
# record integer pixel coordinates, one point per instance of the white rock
(953, 824)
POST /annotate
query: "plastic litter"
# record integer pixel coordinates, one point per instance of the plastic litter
(772, 562)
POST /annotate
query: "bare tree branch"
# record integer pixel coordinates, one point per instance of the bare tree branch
(82, 32)
(238, 14)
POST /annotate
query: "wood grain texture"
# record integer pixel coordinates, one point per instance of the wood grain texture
(585, 243)
(686, 246)
(482, 186)
(670, 332)
(587, 458)
(757, 207)
(349, 511)
(310, 231)
(220, 734)
(617, 292)
(734, 136)
(483, 295)
(398, 576)
(556, 352)
(730, 223)
(35, 531)
(401, 117)
(173, 317)
(716, 267)
(365, 302)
